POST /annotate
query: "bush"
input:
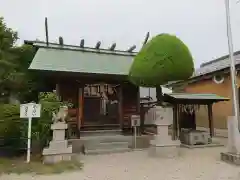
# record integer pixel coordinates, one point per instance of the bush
(41, 131)
(10, 129)
(164, 58)
(13, 130)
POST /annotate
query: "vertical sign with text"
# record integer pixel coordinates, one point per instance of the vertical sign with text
(29, 111)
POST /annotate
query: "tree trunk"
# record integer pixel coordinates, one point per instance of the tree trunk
(159, 95)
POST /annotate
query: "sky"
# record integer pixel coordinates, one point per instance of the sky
(200, 24)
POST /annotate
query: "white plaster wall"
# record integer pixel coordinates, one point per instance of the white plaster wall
(152, 92)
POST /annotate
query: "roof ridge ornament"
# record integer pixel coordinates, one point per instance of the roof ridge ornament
(146, 38)
(131, 48)
(82, 43)
(98, 44)
(46, 31)
(60, 40)
(113, 46)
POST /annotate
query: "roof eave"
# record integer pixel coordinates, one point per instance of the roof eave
(200, 101)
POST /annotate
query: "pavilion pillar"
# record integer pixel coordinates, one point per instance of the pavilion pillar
(80, 105)
(210, 118)
(177, 123)
(174, 125)
(58, 90)
(120, 105)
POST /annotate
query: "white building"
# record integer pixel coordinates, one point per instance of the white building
(152, 92)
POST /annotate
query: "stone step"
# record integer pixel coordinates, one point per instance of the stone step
(100, 127)
(107, 151)
(100, 132)
(112, 145)
(106, 139)
(106, 144)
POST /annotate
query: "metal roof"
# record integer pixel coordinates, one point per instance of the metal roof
(216, 65)
(197, 96)
(80, 61)
(210, 67)
(199, 99)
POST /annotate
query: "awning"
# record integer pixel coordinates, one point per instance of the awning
(79, 61)
(187, 98)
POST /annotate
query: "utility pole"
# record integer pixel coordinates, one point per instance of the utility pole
(232, 65)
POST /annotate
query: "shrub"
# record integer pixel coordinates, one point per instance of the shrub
(13, 130)
(164, 58)
(41, 131)
(10, 128)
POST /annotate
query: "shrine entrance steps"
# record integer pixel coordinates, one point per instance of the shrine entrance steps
(104, 142)
(96, 127)
(107, 141)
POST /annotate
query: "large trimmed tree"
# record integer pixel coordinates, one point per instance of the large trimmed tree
(163, 59)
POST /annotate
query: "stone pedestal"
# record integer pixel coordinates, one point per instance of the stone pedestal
(58, 149)
(233, 148)
(163, 145)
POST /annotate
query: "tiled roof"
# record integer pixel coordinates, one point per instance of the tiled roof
(211, 67)
(216, 65)
(197, 96)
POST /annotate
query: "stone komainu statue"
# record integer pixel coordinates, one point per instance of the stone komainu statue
(61, 115)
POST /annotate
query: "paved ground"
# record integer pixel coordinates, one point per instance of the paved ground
(202, 164)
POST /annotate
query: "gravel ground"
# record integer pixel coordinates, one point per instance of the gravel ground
(202, 164)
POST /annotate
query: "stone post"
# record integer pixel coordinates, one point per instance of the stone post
(233, 136)
(162, 145)
(233, 148)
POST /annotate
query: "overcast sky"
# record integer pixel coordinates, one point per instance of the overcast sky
(199, 23)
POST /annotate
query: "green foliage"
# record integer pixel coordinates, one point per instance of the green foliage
(19, 76)
(164, 58)
(7, 36)
(41, 131)
(50, 102)
(10, 133)
(7, 39)
(13, 130)
(21, 82)
(15, 79)
(9, 111)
